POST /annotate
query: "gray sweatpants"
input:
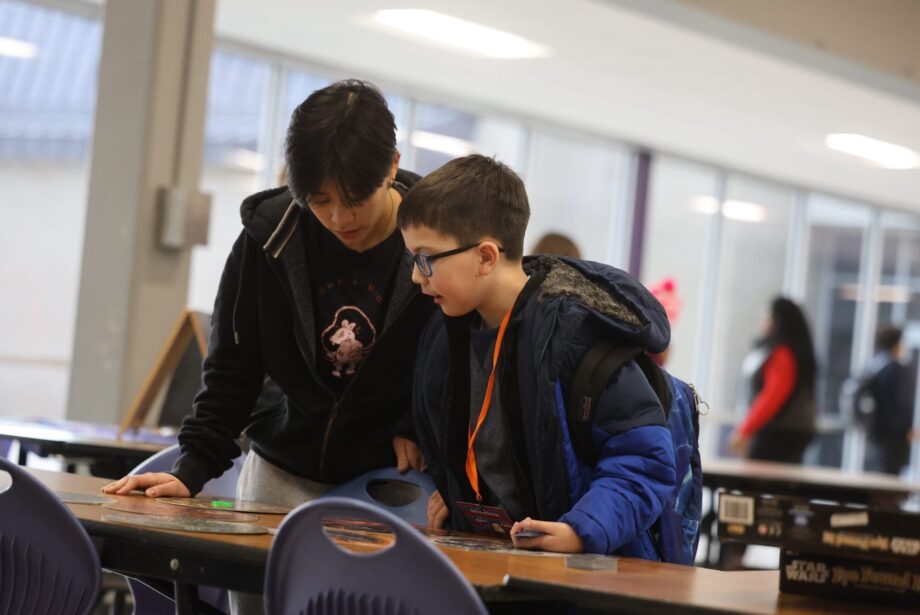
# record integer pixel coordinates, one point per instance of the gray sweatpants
(262, 481)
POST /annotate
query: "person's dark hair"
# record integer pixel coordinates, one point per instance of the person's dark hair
(791, 329)
(556, 243)
(343, 133)
(470, 198)
(887, 338)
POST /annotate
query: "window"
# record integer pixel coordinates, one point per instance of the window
(837, 231)
(443, 133)
(679, 228)
(898, 293)
(46, 124)
(575, 188)
(754, 238)
(235, 162)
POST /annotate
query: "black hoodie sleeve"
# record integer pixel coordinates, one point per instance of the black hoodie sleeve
(232, 374)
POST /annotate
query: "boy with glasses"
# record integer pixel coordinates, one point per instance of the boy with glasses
(495, 366)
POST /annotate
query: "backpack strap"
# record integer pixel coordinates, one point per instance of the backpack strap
(656, 377)
(595, 370)
(599, 365)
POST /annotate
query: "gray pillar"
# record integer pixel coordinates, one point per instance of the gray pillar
(153, 80)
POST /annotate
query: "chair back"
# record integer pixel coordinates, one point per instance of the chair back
(48, 563)
(308, 574)
(404, 495)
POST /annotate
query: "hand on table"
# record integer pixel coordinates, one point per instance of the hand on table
(153, 484)
(557, 537)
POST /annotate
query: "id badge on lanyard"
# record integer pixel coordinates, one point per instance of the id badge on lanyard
(485, 519)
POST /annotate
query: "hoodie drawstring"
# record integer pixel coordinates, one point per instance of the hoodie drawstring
(239, 290)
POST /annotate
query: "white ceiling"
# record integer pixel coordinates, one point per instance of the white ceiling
(622, 73)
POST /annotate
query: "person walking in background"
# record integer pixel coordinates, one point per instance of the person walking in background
(780, 422)
(889, 429)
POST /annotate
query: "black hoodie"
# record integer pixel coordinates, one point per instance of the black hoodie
(263, 324)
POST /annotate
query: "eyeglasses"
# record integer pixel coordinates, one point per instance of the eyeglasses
(423, 261)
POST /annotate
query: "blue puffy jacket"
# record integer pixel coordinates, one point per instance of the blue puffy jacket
(566, 305)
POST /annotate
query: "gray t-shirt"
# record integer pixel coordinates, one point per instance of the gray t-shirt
(493, 444)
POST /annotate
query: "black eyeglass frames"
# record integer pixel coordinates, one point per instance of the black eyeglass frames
(423, 261)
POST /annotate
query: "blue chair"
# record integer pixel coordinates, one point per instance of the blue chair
(48, 563)
(308, 574)
(404, 495)
(148, 601)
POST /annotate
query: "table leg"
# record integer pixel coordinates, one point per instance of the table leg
(708, 526)
(185, 598)
(118, 603)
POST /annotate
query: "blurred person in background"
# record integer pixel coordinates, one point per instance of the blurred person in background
(665, 291)
(558, 244)
(889, 429)
(780, 422)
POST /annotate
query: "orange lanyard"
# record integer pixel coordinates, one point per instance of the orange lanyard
(472, 472)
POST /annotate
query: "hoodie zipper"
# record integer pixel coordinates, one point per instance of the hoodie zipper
(322, 454)
(335, 408)
(336, 402)
(303, 353)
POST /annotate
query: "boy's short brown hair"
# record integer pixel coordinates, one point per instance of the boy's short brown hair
(470, 198)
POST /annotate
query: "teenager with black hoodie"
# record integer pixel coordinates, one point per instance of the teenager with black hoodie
(317, 296)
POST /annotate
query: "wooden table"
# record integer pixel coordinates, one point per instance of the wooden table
(643, 587)
(92, 441)
(238, 562)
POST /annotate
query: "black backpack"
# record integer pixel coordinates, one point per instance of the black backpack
(676, 533)
(857, 400)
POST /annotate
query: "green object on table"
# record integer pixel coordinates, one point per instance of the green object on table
(221, 504)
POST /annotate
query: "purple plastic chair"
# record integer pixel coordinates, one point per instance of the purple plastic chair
(148, 601)
(47, 561)
(404, 495)
(308, 574)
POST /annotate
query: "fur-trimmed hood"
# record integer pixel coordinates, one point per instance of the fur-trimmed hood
(615, 301)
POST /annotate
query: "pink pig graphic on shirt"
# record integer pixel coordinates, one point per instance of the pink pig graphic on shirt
(349, 351)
